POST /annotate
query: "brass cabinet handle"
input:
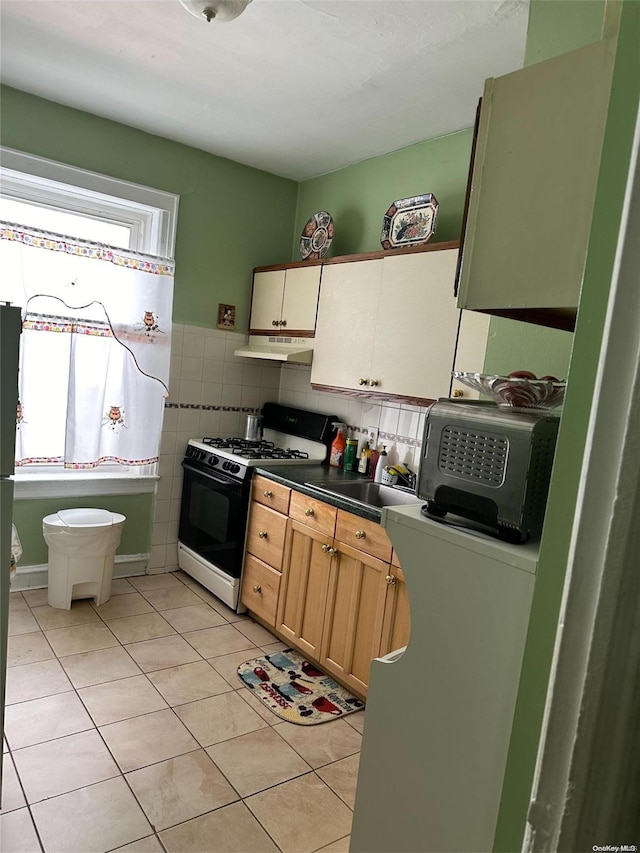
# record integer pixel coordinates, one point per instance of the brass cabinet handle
(274, 322)
(390, 579)
(262, 534)
(360, 534)
(309, 512)
(373, 383)
(332, 552)
(457, 393)
(267, 493)
(257, 588)
(325, 548)
(283, 322)
(362, 381)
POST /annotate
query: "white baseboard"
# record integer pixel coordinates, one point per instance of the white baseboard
(125, 566)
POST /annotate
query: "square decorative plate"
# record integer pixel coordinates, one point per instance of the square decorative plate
(409, 221)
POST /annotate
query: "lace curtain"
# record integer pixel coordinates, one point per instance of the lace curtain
(94, 351)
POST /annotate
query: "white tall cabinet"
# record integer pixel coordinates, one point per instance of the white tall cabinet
(439, 717)
(388, 325)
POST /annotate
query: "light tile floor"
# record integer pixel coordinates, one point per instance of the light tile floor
(128, 729)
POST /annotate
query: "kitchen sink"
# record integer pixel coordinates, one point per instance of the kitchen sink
(372, 494)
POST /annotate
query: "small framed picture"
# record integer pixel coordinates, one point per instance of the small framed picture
(226, 317)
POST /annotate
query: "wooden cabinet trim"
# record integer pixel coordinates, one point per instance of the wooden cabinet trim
(362, 256)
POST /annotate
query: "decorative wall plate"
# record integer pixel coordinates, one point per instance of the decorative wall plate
(316, 237)
(409, 221)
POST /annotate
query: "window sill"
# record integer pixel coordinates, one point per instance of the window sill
(76, 485)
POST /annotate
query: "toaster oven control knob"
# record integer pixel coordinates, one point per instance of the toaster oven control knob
(360, 534)
(267, 493)
(257, 588)
(262, 534)
(390, 579)
(308, 512)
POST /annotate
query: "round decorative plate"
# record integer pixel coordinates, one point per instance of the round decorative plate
(409, 221)
(316, 237)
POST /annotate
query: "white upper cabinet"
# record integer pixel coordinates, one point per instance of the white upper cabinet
(532, 187)
(285, 300)
(388, 327)
(346, 325)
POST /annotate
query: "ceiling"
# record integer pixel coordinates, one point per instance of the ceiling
(296, 87)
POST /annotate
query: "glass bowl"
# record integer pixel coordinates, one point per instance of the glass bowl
(514, 392)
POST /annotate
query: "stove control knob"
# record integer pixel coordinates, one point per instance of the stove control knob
(225, 465)
(236, 468)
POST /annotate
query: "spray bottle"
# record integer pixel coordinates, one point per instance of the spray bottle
(336, 455)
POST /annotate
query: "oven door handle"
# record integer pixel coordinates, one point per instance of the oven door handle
(216, 476)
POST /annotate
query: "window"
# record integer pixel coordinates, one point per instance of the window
(111, 305)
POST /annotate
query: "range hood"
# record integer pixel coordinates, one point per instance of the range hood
(271, 348)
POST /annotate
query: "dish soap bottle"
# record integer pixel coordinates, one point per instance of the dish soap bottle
(382, 461)
(350, 454)
(365, 456)
(336, 455)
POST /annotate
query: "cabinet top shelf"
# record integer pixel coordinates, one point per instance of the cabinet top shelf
(363, 256)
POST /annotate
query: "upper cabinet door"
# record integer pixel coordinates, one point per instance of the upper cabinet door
(346, 325)
(266, 303)
(416, 325)
(300, 303)
(533, 186)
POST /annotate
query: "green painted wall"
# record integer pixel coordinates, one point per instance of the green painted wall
(571, 441)
(231, 217)
(28, 515)
(358, 196)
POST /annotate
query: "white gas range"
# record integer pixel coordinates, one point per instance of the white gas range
(217, 488)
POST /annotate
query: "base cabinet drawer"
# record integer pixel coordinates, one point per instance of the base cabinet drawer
(271, 494)
(260, 589)
(265, 534)
(364, 535)
(314, 513)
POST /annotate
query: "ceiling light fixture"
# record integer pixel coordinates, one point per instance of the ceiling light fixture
(215, 10)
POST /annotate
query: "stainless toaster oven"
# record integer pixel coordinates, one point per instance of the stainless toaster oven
(488, 464)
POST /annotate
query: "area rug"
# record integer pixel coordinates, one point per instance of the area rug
(294, 689)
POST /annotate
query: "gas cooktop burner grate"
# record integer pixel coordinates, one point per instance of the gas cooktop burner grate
(247, 449)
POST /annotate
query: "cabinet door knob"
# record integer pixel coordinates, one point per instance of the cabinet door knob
(332, 552)
(360, 534)
(457, 393)
(283, 322)
(267, 493)
(309, 512)
(257, 588)
(373, 383)
(274, 322)
(325, 548)
(390, 579)
(262, 534)
(362, 381)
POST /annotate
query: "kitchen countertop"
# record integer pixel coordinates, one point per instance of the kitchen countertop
(299, 476)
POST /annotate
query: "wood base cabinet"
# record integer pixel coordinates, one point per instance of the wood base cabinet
(341, 605)
(264, 553)
(303, 593)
